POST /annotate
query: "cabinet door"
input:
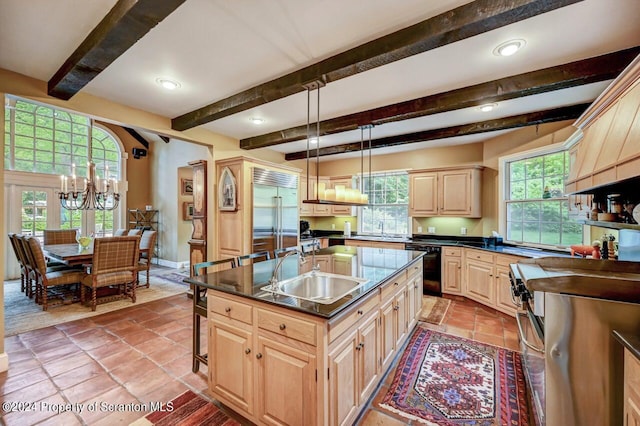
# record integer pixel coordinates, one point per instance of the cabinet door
(451, 277)
(230, 364)
(325, 263)
(343, 391)
(369, 357)
(411, 304)
(455, 193)
(342, 265)
(423, 194)
(288, 377)
(305, 209)
(479, 279)
(400, 317)
(387, 331)
(504, 302)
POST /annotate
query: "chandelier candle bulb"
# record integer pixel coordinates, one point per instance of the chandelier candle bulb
(319, 189)
(340, 193)
(330, 195)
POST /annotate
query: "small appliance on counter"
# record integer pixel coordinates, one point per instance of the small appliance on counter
(305, 232)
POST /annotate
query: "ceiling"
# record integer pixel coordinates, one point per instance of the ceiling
(218, 48)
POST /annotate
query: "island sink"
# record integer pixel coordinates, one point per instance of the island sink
(319, 287)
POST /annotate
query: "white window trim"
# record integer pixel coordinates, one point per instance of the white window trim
(502, 189)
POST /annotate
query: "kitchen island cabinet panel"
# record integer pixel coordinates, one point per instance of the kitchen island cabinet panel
(452, 270)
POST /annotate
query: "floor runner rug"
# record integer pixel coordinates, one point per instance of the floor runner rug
(187, 409)
(434, 309)
(447, 380)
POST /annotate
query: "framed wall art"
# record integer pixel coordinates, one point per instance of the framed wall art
(187, 210)
(227, 191)
(186, 186)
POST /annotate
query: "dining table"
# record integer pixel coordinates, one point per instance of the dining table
(71, 254)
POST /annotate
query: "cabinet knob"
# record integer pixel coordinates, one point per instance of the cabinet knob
(360, 312)
(395, 308)
(247, 351)
(396, 284)
(477, 257)
(227, 309)
(415, 286)
(283, 326)
(258, 355)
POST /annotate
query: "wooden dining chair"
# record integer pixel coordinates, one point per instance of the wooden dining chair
(115, 264)
(49, 277)
(200, 307)
(283, 251)
(59, 236)
(147, 246)
(248, 259)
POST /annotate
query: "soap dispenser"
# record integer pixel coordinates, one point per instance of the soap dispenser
(347, 228)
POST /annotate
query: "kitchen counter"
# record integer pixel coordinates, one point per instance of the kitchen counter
(373, 264)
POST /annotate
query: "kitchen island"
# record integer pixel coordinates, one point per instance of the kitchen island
(281, 360)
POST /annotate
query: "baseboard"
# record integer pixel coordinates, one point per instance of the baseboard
(4, 362)
(172, 264)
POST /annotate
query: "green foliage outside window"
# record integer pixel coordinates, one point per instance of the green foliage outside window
(537, 210)
(388, 204)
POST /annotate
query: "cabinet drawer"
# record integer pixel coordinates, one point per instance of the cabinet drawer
(392, 286)
(229, 308)
(414, 269)
(287, 326)
(342, 324)
(452, 251)
(482, 256)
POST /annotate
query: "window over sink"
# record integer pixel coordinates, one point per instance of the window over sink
(388, 209)
(536, 210)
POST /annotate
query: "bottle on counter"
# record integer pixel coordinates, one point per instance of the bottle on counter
(605, 247)
(347, 229)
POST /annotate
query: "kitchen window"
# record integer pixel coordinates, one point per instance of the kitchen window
(536, 211)
(388, 209)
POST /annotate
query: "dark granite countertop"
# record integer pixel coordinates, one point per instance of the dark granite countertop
(373, 264)
(629, 341)
(444, 241)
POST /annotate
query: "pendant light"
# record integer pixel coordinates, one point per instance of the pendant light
(339, 195)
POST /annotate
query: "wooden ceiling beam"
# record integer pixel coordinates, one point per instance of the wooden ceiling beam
(126, 23)
(600, 68)
(522, 120)
(137, 136)
(458, 24)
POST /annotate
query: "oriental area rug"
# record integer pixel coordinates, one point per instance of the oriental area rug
(434, 309)
(448, 380)
(188, 409)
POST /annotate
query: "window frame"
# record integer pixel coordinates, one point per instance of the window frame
(360, 209)
(504, 187)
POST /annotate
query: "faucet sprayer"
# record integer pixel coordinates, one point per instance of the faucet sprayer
(274, 280)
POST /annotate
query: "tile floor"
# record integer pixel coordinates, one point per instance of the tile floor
(464, 318)
(143, 354)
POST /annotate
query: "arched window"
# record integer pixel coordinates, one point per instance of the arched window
(45, 140)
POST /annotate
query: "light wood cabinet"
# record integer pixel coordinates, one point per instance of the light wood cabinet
(354, 370)
(342, 264)
(631, 389)
(276, 366)
(323, 261)
(452, 270)
(480, 282)
(604, 149)
(445, 192)
(286, 382)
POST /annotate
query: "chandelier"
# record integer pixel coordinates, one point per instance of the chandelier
(95, 194)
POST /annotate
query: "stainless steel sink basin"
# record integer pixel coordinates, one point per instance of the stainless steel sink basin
(319, 287)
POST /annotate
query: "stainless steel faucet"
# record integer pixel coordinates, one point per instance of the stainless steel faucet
(314, 243)
(274, 280)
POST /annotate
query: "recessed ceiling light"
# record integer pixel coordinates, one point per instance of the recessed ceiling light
(487, 107)
(510, 47)
(256, 120)
(168, 84)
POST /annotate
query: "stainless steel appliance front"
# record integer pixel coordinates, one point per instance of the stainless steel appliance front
(275, 210)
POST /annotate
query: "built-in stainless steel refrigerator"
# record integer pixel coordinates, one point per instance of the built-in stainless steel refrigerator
(275, 210)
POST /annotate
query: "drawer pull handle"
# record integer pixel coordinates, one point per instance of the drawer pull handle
(247, 351)
(396, 284)
(258, 355)
(227, 309)
(360, 312)
(283, 326)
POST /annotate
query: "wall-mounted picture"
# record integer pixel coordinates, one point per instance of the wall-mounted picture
(186, 187)
(187, 210)
(227, 191)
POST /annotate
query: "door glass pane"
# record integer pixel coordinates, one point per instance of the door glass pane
(34, 212)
